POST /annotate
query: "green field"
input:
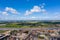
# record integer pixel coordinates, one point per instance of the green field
(29, 24)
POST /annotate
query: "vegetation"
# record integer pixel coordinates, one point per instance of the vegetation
(29, 24)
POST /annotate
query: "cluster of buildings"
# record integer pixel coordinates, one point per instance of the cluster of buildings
(36, 34)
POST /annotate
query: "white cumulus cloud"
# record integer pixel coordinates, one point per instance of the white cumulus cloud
(8, 9)
(35, 9)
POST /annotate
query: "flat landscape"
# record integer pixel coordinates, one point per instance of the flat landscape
(29, 24)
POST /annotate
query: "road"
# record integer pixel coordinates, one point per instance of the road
(27, 28)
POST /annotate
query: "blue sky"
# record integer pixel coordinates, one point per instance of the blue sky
(29, 9)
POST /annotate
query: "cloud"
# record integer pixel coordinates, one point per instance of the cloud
(8, 9)
(42, 5)
(4, 13)
(43, 10)
(33, 17)
(56, 15)
(0, 12)
(28, 12)
(35, 9)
